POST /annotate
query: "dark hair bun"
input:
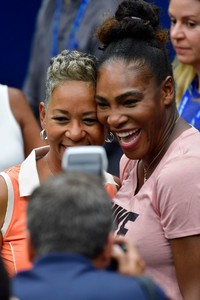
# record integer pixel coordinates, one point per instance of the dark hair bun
(140, 9)
(133, 19)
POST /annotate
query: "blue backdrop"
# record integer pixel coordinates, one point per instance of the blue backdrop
(163, 4)
(17, 23)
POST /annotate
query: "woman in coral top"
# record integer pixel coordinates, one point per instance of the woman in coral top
(68, 118)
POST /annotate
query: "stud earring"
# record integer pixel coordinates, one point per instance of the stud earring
(43, 135)
(110, 137)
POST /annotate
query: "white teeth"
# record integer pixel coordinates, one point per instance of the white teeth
(125, 134)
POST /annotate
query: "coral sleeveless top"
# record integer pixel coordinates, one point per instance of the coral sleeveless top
(20, 184)
(14, 229)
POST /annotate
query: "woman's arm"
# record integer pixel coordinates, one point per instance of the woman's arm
(186, 253)
(26, 119)
(3, 204)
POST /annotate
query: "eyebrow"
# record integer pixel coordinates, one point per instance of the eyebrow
(66, 112)
(119, 98)
(184, 18)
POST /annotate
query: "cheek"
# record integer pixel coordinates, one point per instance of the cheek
(193, 39)
(53, 133)
(97, 134)
(195, 43)
(102, 116)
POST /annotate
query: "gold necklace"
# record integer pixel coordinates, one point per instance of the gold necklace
(146, 170)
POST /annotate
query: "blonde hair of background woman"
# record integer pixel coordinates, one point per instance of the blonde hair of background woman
(183, 75)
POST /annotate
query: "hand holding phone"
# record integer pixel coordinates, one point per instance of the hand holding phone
(126, 258)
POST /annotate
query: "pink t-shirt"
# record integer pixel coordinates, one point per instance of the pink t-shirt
(166, 207)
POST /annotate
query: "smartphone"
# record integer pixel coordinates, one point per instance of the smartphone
(89, 159)
(120, 247)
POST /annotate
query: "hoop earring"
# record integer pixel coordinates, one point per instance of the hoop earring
(43, 135)
(110, 138)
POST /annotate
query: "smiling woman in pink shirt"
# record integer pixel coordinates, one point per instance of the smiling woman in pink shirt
(158, 204)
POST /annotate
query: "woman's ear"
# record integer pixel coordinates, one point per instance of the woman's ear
(168, 90)
(42, 112)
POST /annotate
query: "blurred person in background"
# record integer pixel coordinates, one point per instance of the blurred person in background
(19, 129)
(185, 37)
